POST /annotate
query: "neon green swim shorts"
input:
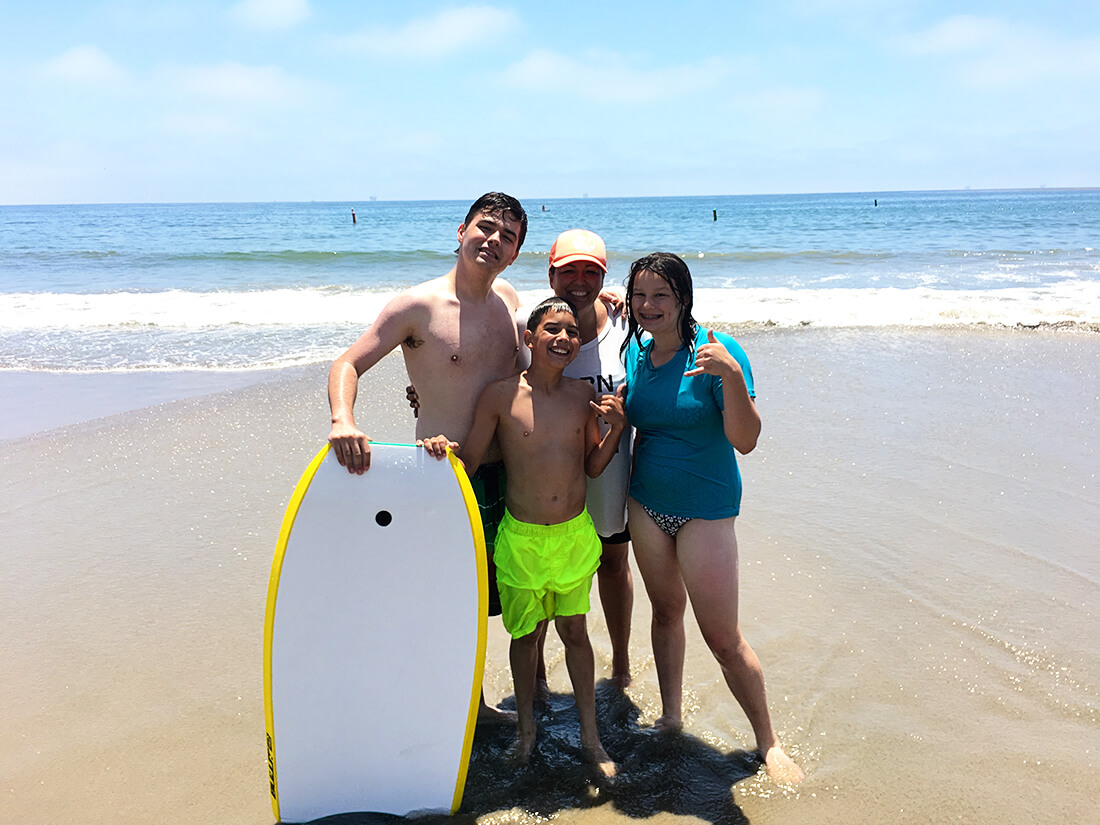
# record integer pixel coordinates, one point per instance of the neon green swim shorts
(544, 571)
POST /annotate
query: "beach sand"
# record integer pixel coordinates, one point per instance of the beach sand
(919, 577)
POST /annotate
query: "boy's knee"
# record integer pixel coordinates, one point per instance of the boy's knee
(572, 630)
(531, 639)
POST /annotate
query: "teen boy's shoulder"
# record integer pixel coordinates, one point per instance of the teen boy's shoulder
(508, 294)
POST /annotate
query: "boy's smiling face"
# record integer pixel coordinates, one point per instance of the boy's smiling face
(556, 339)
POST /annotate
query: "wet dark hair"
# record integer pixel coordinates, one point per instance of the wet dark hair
(497, 203)
(675, 272)
(554, 304)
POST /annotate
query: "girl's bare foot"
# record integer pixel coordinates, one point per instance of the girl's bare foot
(781, 768)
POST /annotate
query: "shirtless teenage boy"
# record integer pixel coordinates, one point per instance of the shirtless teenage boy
(457, 334)
(547, 549)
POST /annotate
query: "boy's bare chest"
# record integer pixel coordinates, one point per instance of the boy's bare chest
(547, 423)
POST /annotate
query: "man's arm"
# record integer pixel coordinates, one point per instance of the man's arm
(394, 324)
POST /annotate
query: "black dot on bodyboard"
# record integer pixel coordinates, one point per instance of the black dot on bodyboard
(383, 518)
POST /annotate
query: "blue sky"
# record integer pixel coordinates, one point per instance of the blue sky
(145, 101)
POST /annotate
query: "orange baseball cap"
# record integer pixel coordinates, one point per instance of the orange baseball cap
(578, 245)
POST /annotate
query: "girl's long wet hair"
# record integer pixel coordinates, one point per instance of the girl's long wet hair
(675, 272)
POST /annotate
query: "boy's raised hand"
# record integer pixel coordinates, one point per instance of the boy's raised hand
(437, 446)
(610, 409)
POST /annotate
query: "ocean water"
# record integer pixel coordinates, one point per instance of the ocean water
(258, 286)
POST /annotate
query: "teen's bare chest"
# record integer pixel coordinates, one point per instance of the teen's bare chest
(462, 338)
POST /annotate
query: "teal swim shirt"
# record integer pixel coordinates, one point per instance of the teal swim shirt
(683, 463)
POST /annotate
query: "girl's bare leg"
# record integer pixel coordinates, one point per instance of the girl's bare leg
(707, 552)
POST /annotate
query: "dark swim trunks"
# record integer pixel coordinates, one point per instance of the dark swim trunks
(618, 538)
(488, 484)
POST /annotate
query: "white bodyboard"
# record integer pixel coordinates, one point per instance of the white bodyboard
(374, 639)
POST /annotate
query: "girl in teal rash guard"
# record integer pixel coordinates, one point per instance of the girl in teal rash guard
(690, 397)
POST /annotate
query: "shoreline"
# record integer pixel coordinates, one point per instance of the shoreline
(37, 402)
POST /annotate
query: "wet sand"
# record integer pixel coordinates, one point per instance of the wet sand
(919, 577)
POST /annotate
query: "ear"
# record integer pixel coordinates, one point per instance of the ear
(528, 338)
(461, 232)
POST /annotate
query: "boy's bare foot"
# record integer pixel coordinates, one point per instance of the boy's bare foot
(519, 753)
(487, 715)
(668, 725)
(542, 691)
(781, 768)
(598, 758)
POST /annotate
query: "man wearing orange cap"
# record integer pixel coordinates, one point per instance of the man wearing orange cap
(578, 264)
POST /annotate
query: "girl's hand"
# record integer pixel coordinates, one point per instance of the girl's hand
(714, 359)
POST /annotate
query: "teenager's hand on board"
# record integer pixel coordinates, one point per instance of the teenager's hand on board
(437, 446)
(352, 447)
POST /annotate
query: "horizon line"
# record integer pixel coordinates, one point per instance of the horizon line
(372, 199)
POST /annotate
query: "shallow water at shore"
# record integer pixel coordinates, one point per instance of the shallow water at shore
(918, 577)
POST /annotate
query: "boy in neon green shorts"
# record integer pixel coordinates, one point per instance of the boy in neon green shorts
(546, 547)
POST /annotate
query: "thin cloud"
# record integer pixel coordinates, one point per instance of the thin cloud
(446, 33)
(239, 83)
(991, 53)
(781, 105)
(85, 64)
(961, 34)
(270, 15)
(606, 77)
(203, 125)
